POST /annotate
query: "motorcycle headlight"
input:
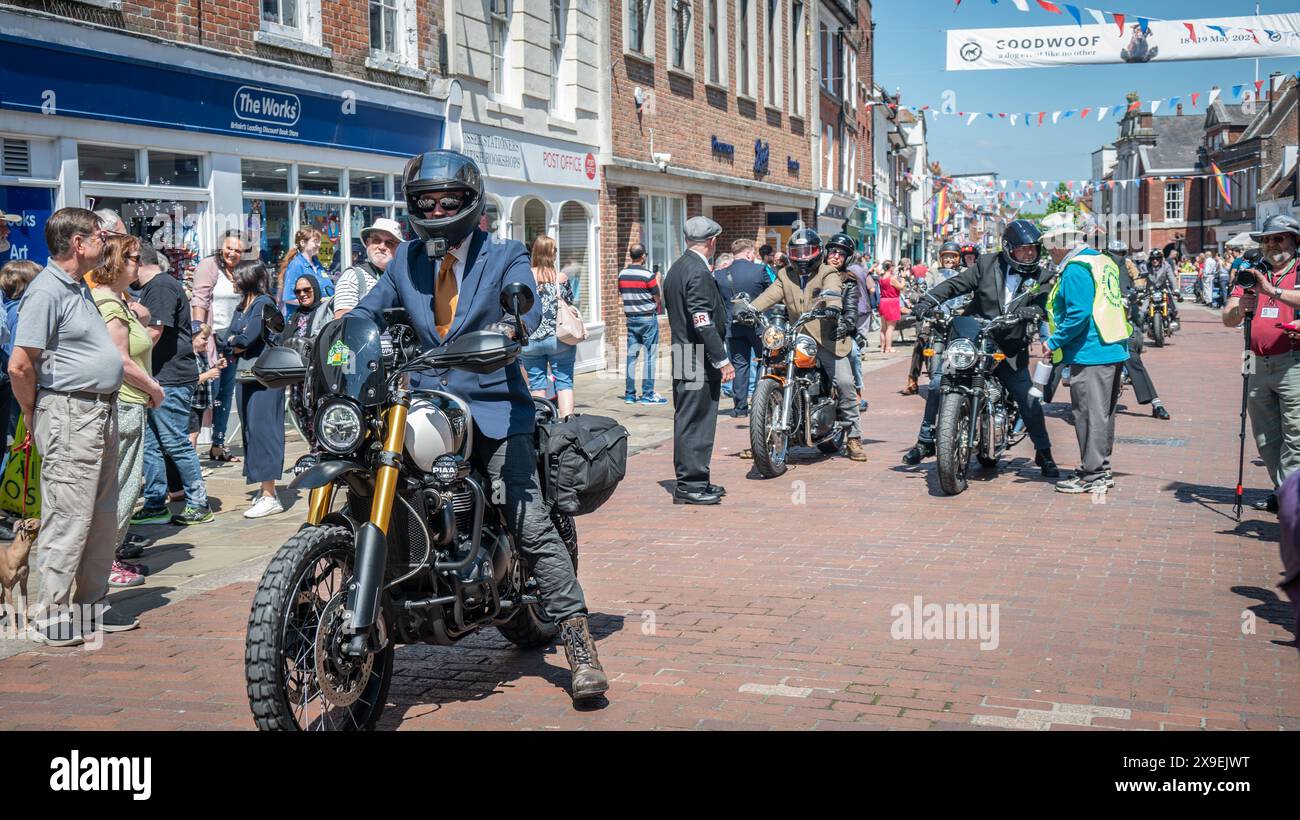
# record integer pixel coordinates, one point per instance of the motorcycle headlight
(773, 338)
(960, 355)
(339, 428)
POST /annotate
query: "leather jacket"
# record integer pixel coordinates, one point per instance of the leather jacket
(851, 290)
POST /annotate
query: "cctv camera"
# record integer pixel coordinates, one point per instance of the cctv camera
(662, 161)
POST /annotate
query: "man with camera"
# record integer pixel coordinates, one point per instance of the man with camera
(1266, 295)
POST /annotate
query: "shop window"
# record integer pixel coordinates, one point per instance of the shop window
(318, 181)
(327, 218)
(171, 226)
(368, 185)
(663, 223)
(107, 163)
(362, 216)
(271, 177)
(490, 221)
(166, 168)
(574, 257)
(268, 224)
(534, 222)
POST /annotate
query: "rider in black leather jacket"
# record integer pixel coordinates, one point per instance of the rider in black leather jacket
(839, 250)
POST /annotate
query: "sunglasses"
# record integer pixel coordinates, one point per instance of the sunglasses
(134, 257)
(449, 202)
(300, 291)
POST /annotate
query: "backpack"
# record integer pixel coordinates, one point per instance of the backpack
(581, 460)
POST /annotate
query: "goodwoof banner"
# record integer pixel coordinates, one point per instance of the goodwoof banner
(1271, 35)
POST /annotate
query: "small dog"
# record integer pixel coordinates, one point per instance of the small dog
(14, 569)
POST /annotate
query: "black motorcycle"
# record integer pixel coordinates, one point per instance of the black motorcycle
(417, 551)
(976, 413)
(795, 399)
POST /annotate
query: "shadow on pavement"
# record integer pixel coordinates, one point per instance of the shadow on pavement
(427, 677)
(137, 601)
(1217, 500)
(1272, 609)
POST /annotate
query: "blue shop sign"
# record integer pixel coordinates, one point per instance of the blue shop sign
(48, 78)
(27, 210)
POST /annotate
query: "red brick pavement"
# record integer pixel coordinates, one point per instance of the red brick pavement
(774, 609)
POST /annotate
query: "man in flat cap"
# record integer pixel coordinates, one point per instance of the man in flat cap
(697, 315)
(1273, 400)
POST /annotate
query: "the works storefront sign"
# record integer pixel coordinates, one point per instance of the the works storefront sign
(48, 78)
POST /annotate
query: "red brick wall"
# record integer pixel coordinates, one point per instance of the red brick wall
(688, 113)
(741, 222)
(229, 25)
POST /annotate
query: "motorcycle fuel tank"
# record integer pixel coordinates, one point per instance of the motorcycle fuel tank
(437, 424)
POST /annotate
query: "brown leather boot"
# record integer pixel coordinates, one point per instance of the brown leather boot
(911, 388)
(589, 679)
(856, 453)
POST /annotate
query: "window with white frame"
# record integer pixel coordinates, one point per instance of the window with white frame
(827, 72)
(849, 153)
(393, 31)
(850, 75)
(1173, 202)
(828, 138)
(663, 223)
(282, 17)
(796, 56)
(746, 37)
(499, 43)
(559, 33)
(639, 27)
(773, 42)
(681, 35)
(715, 42)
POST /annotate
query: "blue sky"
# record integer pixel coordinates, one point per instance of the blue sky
(909, 55)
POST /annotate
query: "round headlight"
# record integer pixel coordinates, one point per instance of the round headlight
(339, 428)
(960, 354)
(773, 338)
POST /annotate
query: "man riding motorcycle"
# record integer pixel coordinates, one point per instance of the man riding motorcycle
(798, 286)
(994, 282)
(451, 259)
(1162, 275)
(950, 255)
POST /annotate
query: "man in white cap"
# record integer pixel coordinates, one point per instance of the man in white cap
(697, 315)
(381, 240)
(1090, 333)
(1273, 400)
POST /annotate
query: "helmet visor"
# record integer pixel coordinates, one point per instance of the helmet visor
(804, 253)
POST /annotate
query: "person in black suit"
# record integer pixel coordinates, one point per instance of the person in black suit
(697, 316)
(995, 281)
(1143, 387)
(744, 277)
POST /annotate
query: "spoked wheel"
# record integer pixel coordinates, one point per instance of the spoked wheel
(952, 444)
(298, 676)
(768, 446)
(1158, 330)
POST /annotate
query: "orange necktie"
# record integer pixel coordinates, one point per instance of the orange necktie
(445, 296)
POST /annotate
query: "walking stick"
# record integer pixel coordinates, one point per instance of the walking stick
(1247, 364)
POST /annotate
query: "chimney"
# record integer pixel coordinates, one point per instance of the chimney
(1271, 95)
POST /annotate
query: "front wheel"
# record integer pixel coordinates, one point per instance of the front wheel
(952, 443)
(298, 677)
(1158, 330)
(768, 446)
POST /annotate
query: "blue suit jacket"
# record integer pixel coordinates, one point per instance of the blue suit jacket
(499, 401)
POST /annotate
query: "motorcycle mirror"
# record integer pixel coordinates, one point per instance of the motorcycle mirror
(517, 298)
(272, 319)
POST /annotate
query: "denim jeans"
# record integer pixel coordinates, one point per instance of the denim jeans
(223, 401)
(169, 430)
(642, 336)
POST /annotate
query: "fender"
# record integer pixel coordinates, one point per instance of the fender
(776, 378)
(325, 473)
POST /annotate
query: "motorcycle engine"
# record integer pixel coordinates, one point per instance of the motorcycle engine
(822, 419)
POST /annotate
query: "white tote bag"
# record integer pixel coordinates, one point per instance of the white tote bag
(569, 327)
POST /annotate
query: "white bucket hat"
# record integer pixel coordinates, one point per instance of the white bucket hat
(388, 226)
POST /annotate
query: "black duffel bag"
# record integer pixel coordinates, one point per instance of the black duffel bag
(581, 460)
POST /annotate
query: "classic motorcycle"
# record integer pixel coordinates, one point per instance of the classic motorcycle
(976, 413)
(417, 552)
(1156, 311)
(795, 399)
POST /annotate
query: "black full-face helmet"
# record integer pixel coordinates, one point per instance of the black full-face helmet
(805, 250)
(1018, 234)
(433, 173)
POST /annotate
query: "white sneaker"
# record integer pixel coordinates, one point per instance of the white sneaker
(263, 507)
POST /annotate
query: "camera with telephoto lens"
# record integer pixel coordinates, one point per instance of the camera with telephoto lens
(1247, 277)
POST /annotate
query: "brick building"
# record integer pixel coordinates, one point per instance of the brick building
(1280, 189)
(714, 107)
(192, 118)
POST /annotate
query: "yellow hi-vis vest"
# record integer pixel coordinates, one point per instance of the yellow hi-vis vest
(1108, 311)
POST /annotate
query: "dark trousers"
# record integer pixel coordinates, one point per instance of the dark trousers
(695, 410)
(513, 462)
(742, 348)
(1143, 388)
(918, 357)
(261, 411)
(1017, 383)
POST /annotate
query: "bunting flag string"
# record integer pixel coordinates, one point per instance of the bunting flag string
(1047, 187)
(1238, 94)
(1119, 18)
